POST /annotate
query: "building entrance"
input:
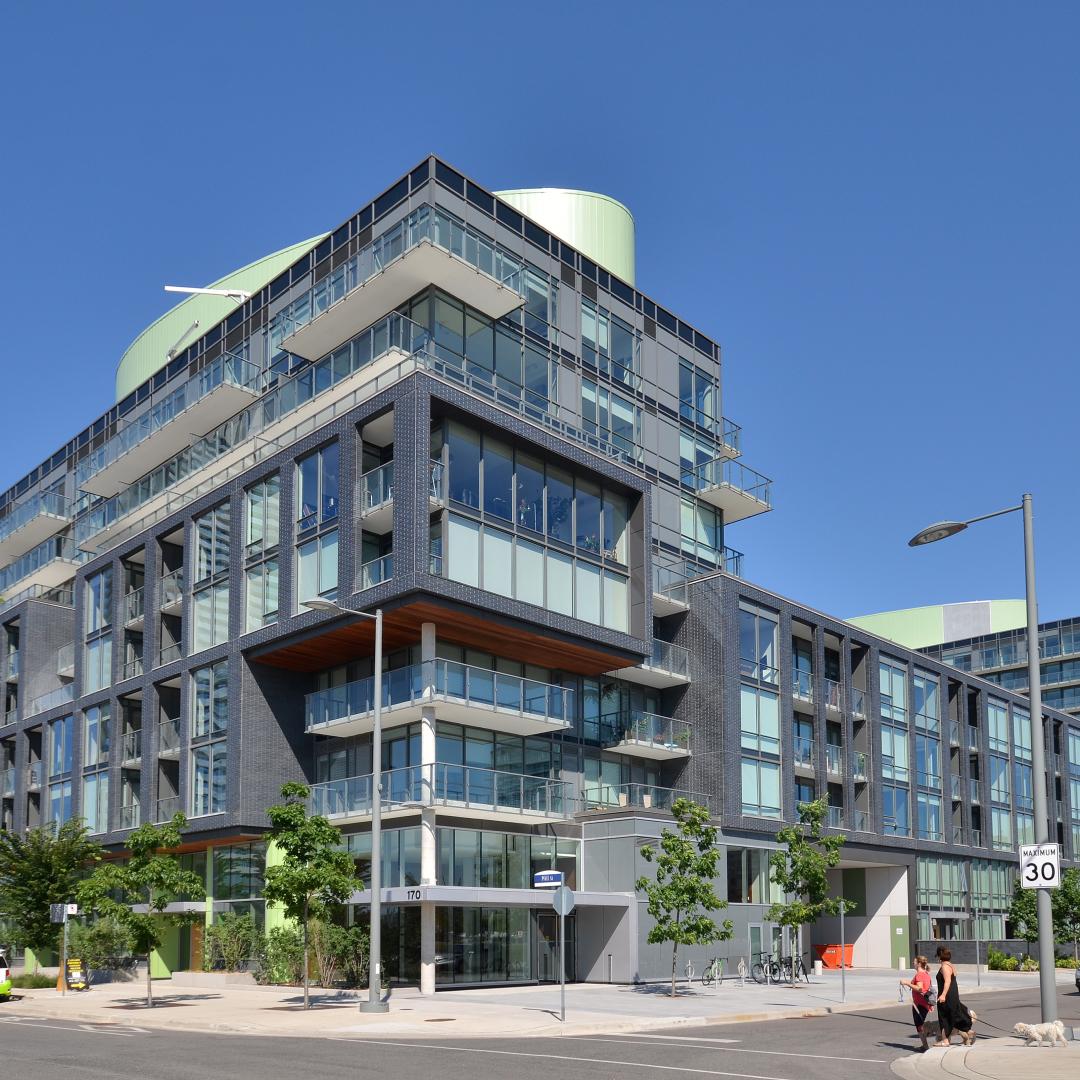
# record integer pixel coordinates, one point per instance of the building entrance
(547, 947)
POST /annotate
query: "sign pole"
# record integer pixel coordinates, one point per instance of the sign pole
(843, 956)
(63, 958)
(562, 967)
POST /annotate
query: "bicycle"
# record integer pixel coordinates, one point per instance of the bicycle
(762, 968)
(714, 973)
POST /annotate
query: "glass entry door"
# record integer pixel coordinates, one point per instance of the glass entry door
(547, 947)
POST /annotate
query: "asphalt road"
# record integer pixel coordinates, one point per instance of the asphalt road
(847, 1046)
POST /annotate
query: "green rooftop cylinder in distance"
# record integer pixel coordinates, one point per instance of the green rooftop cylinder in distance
(597, 225)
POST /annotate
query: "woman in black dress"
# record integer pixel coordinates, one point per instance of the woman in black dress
(952, 1015)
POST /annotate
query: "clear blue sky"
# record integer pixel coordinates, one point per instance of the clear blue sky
(874, 207)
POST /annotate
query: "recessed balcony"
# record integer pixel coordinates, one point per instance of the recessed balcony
(131, 749)
(168, 744)
(134, 609)
(669, 665)
(210, 397)
(468, 695)
(375, 498)
(171, 595)
(647, 735)
(427, 248)
(802, 755)
(734, 488)
(31, 521)
(802, 689)
(460, 790)
(65, 661)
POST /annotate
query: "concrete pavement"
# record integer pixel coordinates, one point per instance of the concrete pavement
(992, 1059)
(480, 1013)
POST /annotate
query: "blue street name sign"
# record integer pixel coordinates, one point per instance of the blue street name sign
(547, 879)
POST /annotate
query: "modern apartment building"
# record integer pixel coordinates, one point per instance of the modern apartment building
(457, 407)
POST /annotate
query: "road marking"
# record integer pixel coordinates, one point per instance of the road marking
(681, 1038)
(732, 1049)
(563, 1057)
(73, 1026)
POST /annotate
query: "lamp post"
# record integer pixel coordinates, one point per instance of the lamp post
(940, 531)
(374, 1003)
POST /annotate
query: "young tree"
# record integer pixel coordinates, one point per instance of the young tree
(681, 895)
(1023, 913)
(137, 892)
(42, 869)
(801, 872)
(1064, 904)
(314, 873)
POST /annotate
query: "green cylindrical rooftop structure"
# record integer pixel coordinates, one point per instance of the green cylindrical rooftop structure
(177, 328)
(597, 225)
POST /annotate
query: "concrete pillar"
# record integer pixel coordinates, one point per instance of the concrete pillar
(428, 862)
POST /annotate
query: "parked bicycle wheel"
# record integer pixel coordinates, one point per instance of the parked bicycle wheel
(775, 971)
(759, 973)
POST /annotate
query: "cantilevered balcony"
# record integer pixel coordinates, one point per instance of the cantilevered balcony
(460, 790)
(44, 702)
(647, 735)
(211, 396)
(50, 564)
(475, 696)
(31, 521)
(669, 665)
(426, 248)
(643, 796)
(734, 488)
(65, 661)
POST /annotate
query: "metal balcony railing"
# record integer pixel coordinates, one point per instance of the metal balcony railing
(376, 488)
(48, 503)
(834, 759)
(802, 684)
(169, 653)
(134, 605)
(131, 747)
(722, 472)
(859, 763)
(133, 668)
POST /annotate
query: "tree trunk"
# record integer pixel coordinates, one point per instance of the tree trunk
(149, 990)
(674, 961)
(306, 1003)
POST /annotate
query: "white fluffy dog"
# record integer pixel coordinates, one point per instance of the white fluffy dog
(1037, 1034)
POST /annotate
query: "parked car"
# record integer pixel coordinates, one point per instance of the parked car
(5, 978)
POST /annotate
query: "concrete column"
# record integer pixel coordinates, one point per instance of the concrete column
(428, 864)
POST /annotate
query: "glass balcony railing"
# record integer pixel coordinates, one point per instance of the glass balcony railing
(62, 695)
(972, 739)
(450, 681)
(169, 736)
(426, 223)
(956, 786)
(166, 808)
(858, 702)
(376, 571)
(133, 668)
(168, 653)
(729, 432)
(667, 656)
(228, 369)
(974, 791)
(954, 733)
(35, 775)
(834, 759)
(833, 695)
(802, 753)
(172, 589)
(957, 834)
(862, 821)
(835, 817)
(131, 746)
(754, 669)
(802, 684)
(376, 488)
(436, 485)
(671, 581)
(14, 663)
(7, 782)
(457, 787)
(722, 472)
(644, 796)
(60, 595)
(859, 766)
(134, 605)
(130, 816)
(976, 837)
(55, 549)
(65, 660)
(50, 503)
(648, 729)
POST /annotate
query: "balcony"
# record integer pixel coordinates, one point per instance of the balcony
(858, 702)
(211, 396)
(375, 498)
(834, 695)
(727, 432)
(668, 665)
(972, 739)
(802, 686)
(7, 782)
(168, 740)
(171, 597)
(132, 668)
(65, 661)
(488, 794)
(131, 748)
(32, 521)
(133, 609)
(376, 571)
(802, 754)
(62, 695)
(957, 834)
(734, 488)
(647, 735)
(956, 787)
(973, 792)
(13, 665)
(643, 796)
(835, 817)
(166, 808)
(468, 695)
(859, 767)
(834, 759)
(954, 733)
(670, 588)
(976, 837)
(50, 564)
(35, 774)
(169, 653)
(426, 248)
(862, 821)
(130, 816)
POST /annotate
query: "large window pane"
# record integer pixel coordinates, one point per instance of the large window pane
(560, 583)
(464, 466)
(560, 502)
(530, 493)
(587, 592)
(529, 574)
(616, 601)
(498, 562)
(498, 480)
(463, 556)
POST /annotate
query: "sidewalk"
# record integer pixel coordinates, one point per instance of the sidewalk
(992, 1059)
(495, 1012)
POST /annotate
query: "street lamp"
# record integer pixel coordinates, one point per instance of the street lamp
(374, 1003)
(940, 531)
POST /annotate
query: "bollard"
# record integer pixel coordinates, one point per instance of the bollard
(817, 967)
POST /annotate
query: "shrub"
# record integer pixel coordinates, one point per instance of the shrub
(1009, 963)
(98, 943)
(1065, 962)
(32, 981)
(230, 941)
(279, 956)
(1029, 963)
(340, 953)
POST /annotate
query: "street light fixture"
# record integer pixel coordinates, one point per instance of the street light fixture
(940, 531)
(374, 1003)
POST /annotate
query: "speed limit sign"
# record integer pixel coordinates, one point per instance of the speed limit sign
(1040, 866)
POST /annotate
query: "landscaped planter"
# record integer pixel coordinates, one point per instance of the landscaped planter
(213, 978)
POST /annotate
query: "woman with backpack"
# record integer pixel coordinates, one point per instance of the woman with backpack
(922, 996)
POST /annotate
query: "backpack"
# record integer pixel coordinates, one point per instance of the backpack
(931, 996)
